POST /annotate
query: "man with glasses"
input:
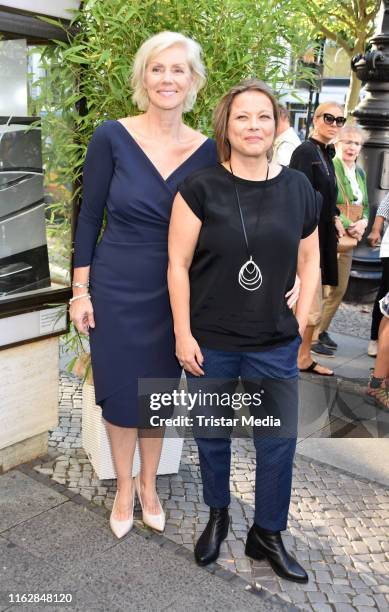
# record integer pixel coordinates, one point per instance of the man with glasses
(314, 158)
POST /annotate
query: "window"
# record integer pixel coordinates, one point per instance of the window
(35, 189)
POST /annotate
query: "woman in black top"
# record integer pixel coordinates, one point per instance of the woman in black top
(314, 158)
(237, 232)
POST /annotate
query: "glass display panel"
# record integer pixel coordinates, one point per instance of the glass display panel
(35, 190)
(13, 77)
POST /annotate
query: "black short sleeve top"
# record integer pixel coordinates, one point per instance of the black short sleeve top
(277, 213)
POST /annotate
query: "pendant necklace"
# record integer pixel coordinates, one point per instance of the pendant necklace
(250, 276)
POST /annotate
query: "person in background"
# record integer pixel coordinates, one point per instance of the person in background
(286, 140)
(352, 191)
(314, 158)
(378, 386)
(382, 215)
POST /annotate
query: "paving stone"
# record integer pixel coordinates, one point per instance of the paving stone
(338, 598)
(380, 558)
(340, 581)
(360, 547)
(323, 576)
(176, 514)
(368, 579)
(373, 545)
(338, 571)
(381, 588)
(243, 565)
(381, 602)
(363, 600)
(319, 565)
(377, 568)
(317, 597)
(343, 588)
(237, 548)
(309, 587)
(337, 528)
(45, 470)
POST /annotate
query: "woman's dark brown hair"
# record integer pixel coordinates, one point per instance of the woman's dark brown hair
(222, 112)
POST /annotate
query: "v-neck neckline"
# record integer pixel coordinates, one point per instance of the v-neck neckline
(153, 166)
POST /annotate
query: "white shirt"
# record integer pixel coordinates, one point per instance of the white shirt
(383, 211)
(352, 177)
(284, 145)
(384, 250)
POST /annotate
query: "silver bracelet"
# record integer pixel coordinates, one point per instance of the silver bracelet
(78, 297)
(81, 285)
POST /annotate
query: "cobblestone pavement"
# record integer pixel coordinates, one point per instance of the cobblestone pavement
(338, 526)
(353, 319)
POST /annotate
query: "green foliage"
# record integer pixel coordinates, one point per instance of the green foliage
(238, 41)
(77, 345)
(349, 24)
(54, 85)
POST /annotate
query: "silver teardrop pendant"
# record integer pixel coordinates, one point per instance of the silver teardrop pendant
(250, 277)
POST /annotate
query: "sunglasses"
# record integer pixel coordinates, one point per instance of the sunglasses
(330, 119)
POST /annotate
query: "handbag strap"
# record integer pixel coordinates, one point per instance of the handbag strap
(322, 159)
(321, 156)
(347, 201)
(345, 198)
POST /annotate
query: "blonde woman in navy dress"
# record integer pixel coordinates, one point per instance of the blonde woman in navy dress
(132, 169)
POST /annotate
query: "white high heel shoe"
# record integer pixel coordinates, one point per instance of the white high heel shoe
(121, 527)
(156, 521)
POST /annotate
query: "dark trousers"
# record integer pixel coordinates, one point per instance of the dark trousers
(276, 372)
(382, 291)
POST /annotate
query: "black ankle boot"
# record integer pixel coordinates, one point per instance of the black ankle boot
(263, 544)
(208, 544)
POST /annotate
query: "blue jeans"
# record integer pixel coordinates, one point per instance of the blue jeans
(277, 369)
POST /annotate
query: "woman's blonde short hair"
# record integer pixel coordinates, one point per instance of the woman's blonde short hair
(222, 113)
(349, 128)
(149, 49)
(324, 106)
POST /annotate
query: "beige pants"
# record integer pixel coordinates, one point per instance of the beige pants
(315, 312)
(332, 296)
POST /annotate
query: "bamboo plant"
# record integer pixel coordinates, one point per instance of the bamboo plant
(239, 40)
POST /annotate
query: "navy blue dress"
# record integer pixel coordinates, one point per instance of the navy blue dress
(133, 337)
